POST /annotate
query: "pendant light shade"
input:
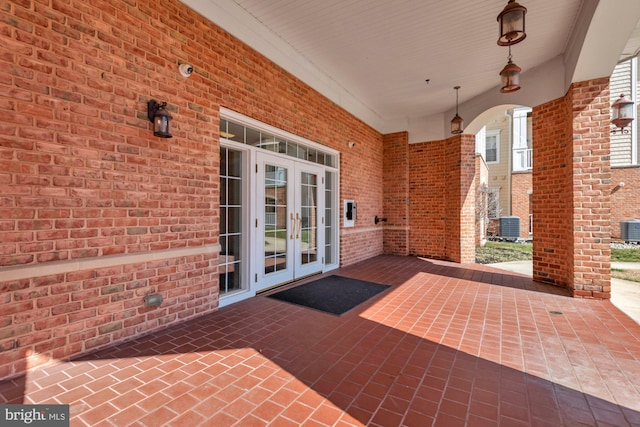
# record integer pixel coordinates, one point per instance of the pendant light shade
(511, 24)
(457, 123)
(510, 76)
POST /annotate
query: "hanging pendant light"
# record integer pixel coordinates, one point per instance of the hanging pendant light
(457, 122)
(511, 21)
(621, 114)
(510, 76)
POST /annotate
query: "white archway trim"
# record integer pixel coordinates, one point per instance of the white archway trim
(604, 39)
(539, 85)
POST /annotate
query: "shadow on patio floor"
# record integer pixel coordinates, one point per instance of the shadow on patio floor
(449, 345)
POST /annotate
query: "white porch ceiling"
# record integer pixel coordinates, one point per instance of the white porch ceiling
(373, 56)
(382, 51)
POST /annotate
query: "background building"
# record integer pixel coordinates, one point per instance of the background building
(505, 143)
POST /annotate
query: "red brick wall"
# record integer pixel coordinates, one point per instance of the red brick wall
(83, 178)
(520, 194)
(467, 198)
(396, 193)
(360, 180)
(442, 191)
(59, 315)
(572, 202)
(625, 200)
(552, 183)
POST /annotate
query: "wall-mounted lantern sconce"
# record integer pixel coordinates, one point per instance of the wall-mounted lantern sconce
(160, 117)
(456, 123)
(622, 114)
(510, 76)
(511, 21)
(153, 300)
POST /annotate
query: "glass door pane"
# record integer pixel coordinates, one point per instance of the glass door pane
(289, 221)
(275, 218)
(274, 200)
(309, 218)
(309, 221)
(330, 227)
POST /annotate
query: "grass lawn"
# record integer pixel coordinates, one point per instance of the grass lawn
(625, 255)
(494, 252)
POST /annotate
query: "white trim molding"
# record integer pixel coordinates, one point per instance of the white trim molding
(67, 266)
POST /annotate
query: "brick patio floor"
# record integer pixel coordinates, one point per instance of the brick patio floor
(448, 345)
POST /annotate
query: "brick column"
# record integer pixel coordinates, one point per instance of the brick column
(442, 190)
(395, 183)
(467, 197)
(571, 199)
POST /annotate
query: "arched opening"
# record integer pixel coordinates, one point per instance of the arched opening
(569, 195)
(504, 144)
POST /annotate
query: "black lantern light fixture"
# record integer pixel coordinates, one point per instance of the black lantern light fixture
(510, 76)
(511, 21)
(457, 122)
(621, 114)
(161, 119)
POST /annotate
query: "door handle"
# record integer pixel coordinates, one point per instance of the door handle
(293, 225)
(299, 224)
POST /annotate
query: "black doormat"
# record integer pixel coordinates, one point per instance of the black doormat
(331, 294)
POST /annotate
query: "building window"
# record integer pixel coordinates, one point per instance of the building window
(231, 180)
(238, 132)
(492, 146)
(331, 226)
(521, 144)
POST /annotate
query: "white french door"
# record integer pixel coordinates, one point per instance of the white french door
(289, 220)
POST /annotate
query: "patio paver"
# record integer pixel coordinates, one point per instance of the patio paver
(449, 345)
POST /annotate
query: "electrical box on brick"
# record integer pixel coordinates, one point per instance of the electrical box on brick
(350, 213)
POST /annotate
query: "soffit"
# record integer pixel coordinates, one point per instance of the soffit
(382, 51)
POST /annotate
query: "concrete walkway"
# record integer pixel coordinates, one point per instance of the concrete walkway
(625, 295)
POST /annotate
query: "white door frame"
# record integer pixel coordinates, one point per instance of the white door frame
(251, 152)
(286, 243)
(309, 218)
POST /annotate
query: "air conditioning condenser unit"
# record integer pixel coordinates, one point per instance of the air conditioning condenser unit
(510, 227)
(630, 230)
